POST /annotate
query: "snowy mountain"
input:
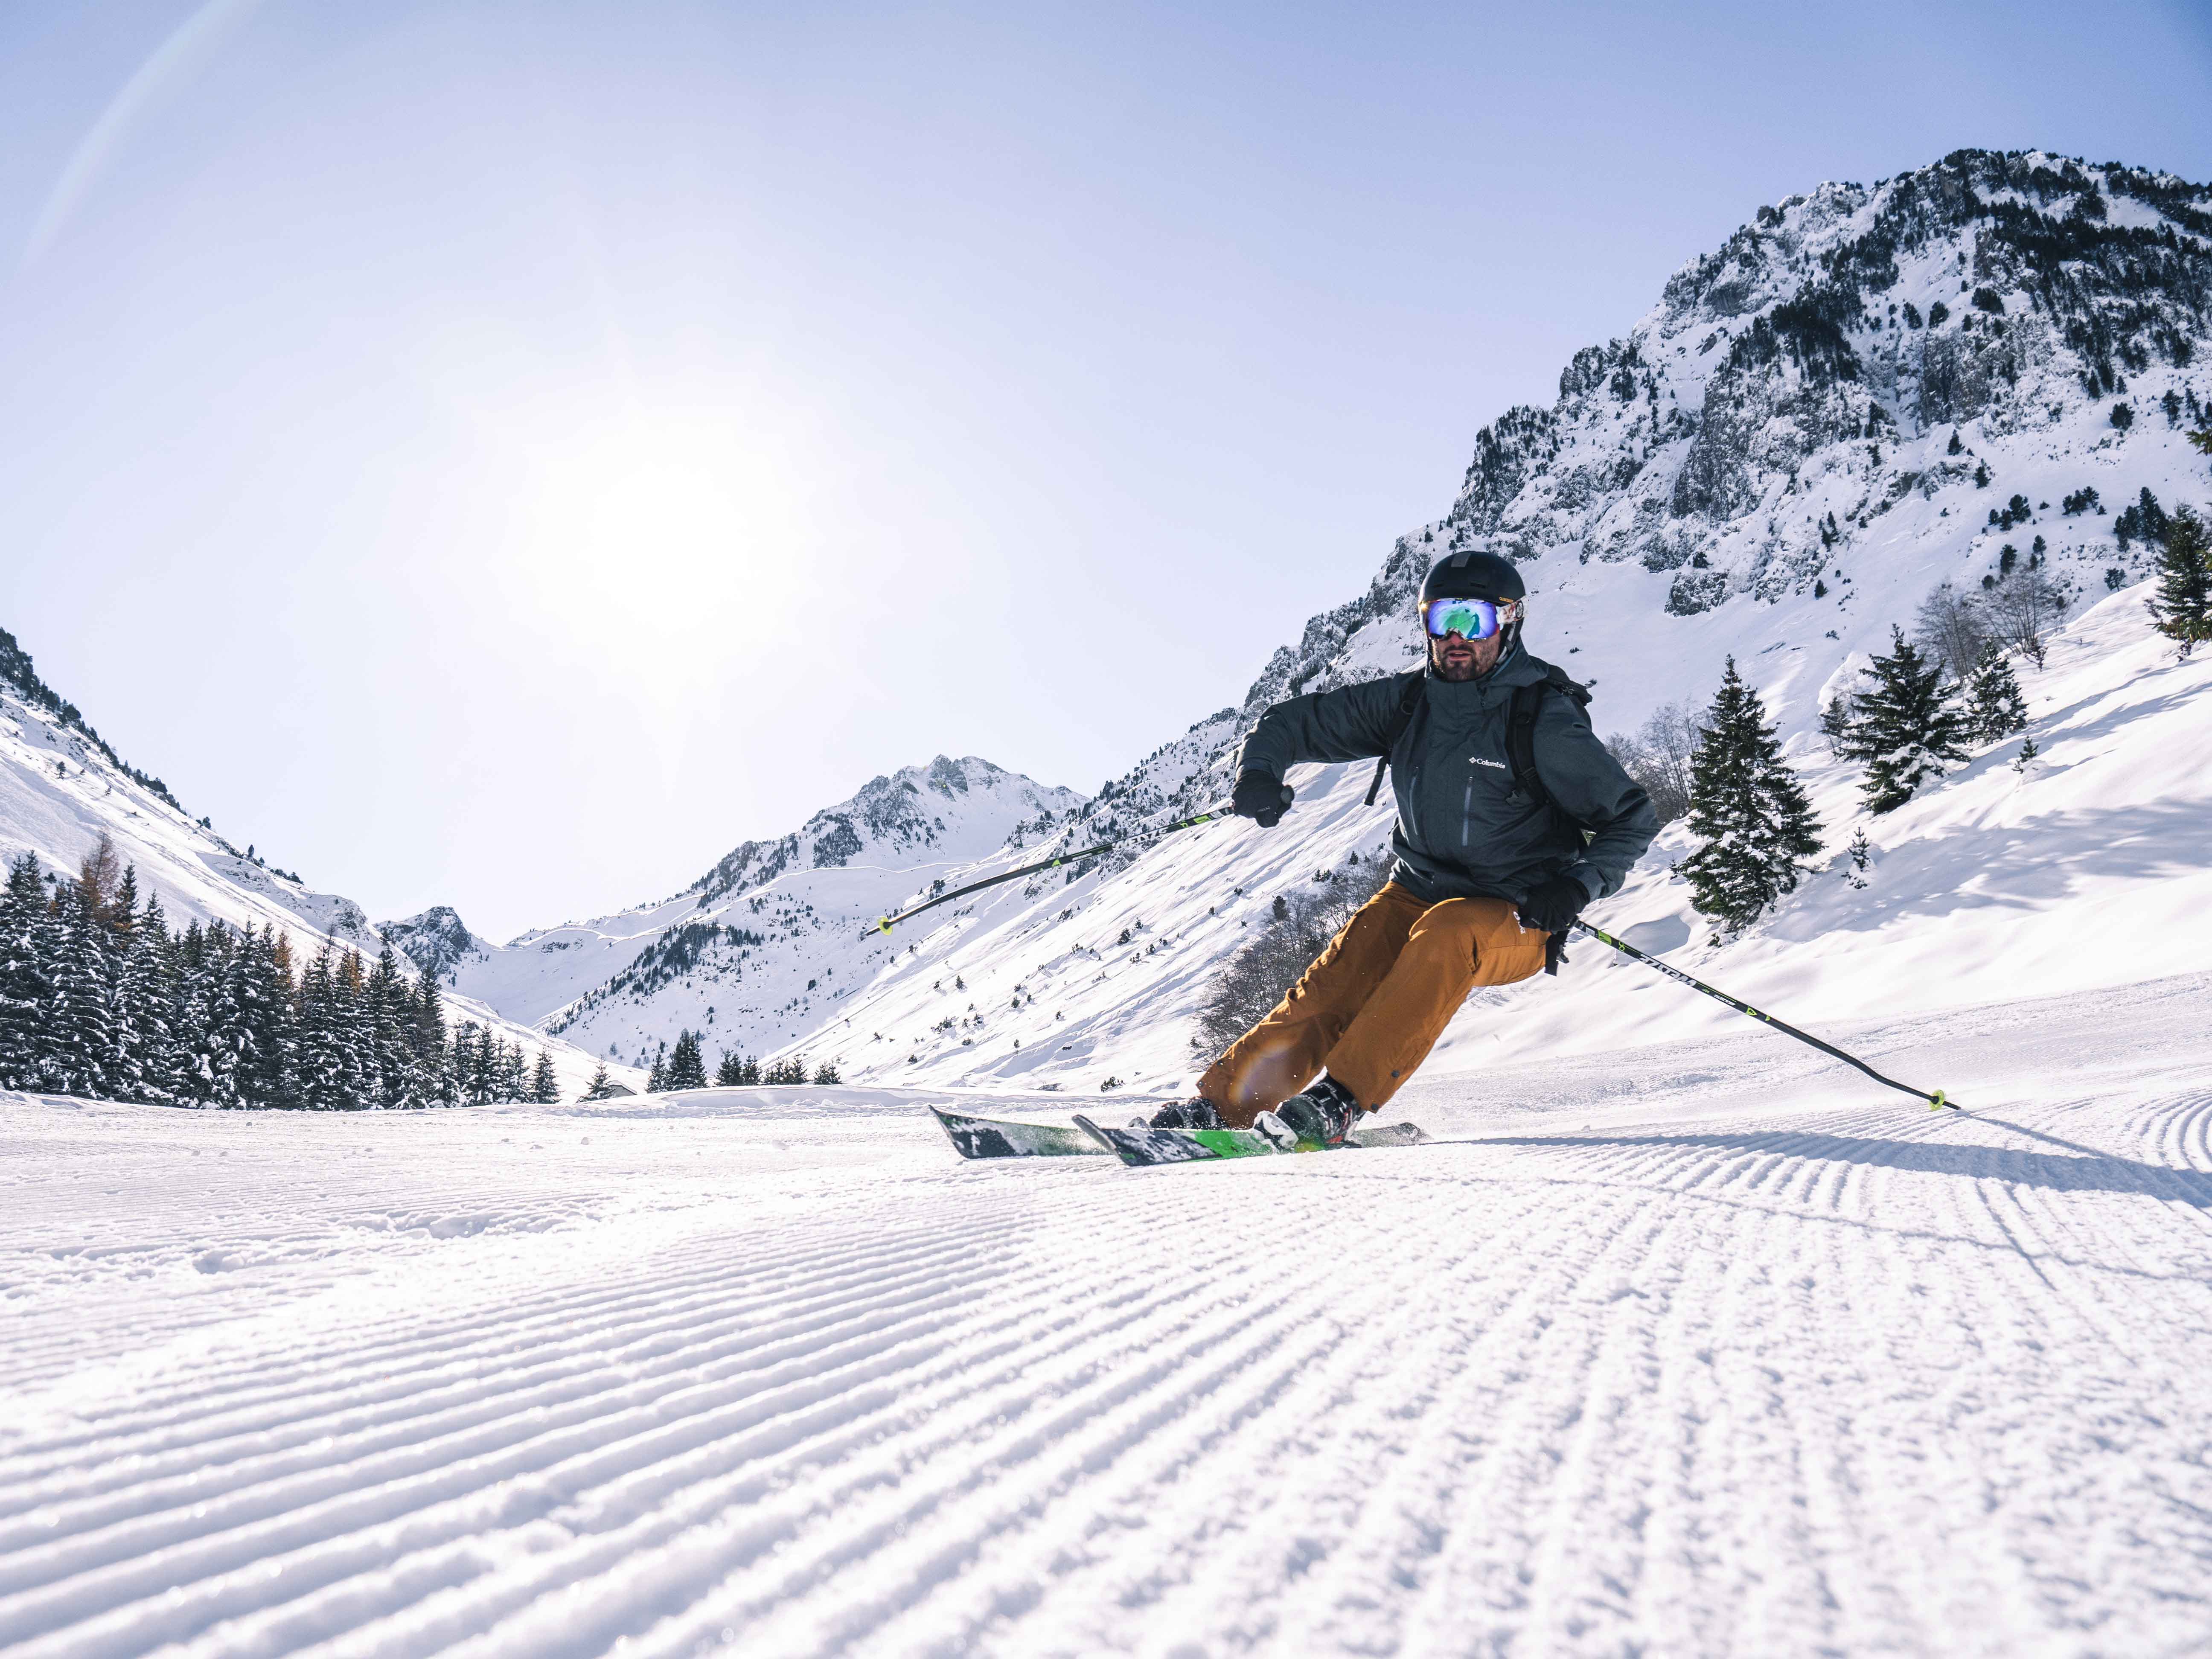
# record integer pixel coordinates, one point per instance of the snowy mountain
(754, 953)
(1864, 393)
(62, 786)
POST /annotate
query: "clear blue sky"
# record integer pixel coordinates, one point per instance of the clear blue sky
(506, 454)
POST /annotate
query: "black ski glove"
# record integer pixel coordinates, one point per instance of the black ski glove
(1261, 799)
(1553, 905)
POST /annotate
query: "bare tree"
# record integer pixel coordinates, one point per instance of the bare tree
(1952, 625)
(1658, 757)
(2024, 606)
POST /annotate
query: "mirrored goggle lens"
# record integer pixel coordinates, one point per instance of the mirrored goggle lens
(1471, 619)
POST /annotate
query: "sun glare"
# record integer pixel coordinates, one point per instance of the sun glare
(682, 526)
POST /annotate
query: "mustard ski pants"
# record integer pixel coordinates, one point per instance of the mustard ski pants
(1375, 1002)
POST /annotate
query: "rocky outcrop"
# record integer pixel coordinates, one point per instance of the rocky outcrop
(436, 940)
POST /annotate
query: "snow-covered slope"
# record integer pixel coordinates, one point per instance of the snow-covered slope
(1736, 1361)
(754, 953)
(62, 786)
(1763, 467)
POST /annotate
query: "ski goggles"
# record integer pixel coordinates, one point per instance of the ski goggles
(1471, 619)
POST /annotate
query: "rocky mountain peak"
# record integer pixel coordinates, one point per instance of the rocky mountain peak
(435, 941)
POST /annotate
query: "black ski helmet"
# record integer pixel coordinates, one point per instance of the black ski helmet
(1471, 575)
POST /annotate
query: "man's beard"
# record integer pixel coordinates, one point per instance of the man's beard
(1455, 671)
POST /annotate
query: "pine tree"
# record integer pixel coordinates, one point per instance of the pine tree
(26, 976)
(687, 1066)
(436, 1078)
(218, 1022)
(82, 1043)
(321, 1075)
(656, 1075)
(514, 1073)
(355, 1033)
(1835, 722)
(147, 1005)
(730, 1074)
(2182, 608)
(1747, 806)
(194, 989)
(544, 1083)
(1906, 729)
(388, 1014)
(1995, 708)
(267, 1020)
(827, 1072)
(601, 1085)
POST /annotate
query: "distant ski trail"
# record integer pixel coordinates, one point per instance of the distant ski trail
(1861, 1383)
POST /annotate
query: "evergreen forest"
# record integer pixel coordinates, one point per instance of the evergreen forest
(101, 997)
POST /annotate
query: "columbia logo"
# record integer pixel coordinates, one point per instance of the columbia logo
(1477, 760)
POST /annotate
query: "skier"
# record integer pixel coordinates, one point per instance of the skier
(1511, 817)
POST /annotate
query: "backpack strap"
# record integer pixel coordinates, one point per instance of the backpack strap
(1409, 699)
(1520, 727)
(1520, 749)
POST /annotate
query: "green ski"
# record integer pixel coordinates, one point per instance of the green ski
(1137, 1146)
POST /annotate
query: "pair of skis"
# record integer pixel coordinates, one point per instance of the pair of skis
(983, 1137)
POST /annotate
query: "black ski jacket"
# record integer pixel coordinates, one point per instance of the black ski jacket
(1464, 830)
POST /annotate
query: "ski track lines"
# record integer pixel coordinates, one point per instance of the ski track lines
(1870, 1383)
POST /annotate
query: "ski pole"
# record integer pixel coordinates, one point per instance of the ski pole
(887, 923)
(1936, 1101)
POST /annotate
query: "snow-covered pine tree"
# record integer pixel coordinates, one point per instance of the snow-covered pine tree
(435, 1083)
(471, 1070)
(601, 1085)
(391, 1053)
(1748, 808)
(1995, 708)
(148, 999)
(1835, 722)
(2182, 607)
(269, 1068)
(544, 1083)
(321, 1070)
(1860, 850)
(730, 1074)
(26, 976)
(656, 1075)
(355, 1032)
(687, 1067)
(513, 1073)
(82, 1042)
(217, 1025)
(1905, 730)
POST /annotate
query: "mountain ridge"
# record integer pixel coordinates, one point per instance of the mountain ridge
(741, 922)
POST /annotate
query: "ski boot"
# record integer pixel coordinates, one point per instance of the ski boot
(1196, 1113)
(1322, 1113)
